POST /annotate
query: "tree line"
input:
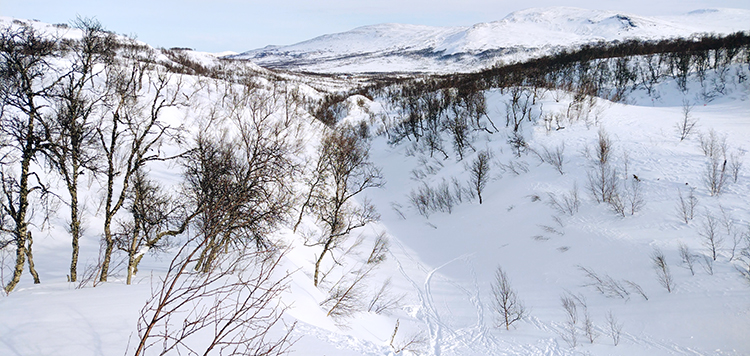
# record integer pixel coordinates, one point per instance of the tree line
(430, 106)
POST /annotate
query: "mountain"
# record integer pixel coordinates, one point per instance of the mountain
(520, 35)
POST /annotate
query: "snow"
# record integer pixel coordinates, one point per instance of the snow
(705, 315)
(520, 35)
(443, 265)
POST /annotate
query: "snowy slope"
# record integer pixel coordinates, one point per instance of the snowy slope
(520, 35)
(442, 266)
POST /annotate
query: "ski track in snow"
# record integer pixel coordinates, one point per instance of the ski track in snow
(447, 340)
(427, 312)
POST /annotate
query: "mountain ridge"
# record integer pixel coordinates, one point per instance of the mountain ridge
(520, 35)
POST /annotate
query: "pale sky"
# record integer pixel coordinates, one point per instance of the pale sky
(241, 25)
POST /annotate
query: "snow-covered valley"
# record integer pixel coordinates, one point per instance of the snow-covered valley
(419, 278)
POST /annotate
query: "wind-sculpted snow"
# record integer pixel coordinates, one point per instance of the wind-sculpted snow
(520, 35)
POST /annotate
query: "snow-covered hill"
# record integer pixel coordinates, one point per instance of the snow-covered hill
(520, 35)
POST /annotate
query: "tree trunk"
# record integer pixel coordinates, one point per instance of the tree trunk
(30, 256)
(19, 216)
(326, 247)
(132, 251)
(109, 244)
(108, 211)
(75, 228)
(131, 266)
(20, 261)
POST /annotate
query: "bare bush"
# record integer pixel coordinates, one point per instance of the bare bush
(663, 275)
(517, 143)
(568, 203)
(711, 235)
(347, 294)
(715, 175)
(636, 288)
(686, 205)
(230, 309)
(603, 149)
(426, 167)
(444, 197)
(519, 108)
(615, 328)
(708, 264)
(743, 264)
(505, 300)
(712, 144)
(460, 193)
(427, 200)
(606, 285)
(588, 325)
(618, 204)
(552, 229)
(730, 232)
(514, 167)
(736, 159)
(603, 177)
(414, 343)
(570, 333)
(687, 123)
(687, 257)
(383, 301)
(421, 199)
(554, 157)
(634, 196)
(379, 250)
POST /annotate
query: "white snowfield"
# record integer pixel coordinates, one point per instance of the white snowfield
(441, 267)
(519, 36)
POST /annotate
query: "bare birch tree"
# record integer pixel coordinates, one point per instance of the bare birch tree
(72, 128)
(505, 300)
(133, 132)
(26, 81)
(350, 171)
(243, 179)
(479, 173)
(155, 217)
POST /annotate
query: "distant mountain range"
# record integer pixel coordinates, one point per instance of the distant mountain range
(518, 36)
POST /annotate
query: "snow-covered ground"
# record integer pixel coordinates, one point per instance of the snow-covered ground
(441, 268)
(519, 36)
